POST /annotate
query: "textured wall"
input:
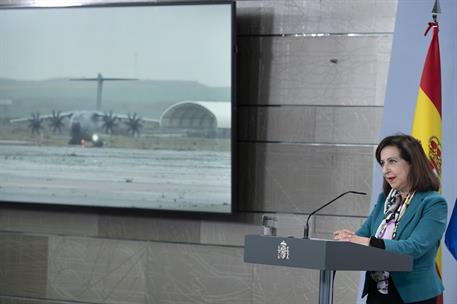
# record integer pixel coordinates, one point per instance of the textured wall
(309, 111)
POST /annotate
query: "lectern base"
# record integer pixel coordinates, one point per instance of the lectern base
(326, 286)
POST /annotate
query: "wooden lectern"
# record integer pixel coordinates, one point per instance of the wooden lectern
(325, 255)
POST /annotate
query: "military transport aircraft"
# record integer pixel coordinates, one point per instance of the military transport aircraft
(85, 125)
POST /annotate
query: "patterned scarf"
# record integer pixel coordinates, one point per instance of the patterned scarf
(394, 208)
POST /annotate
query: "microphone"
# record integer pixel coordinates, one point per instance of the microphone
(306, 228)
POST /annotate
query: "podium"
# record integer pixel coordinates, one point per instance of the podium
(325, 255)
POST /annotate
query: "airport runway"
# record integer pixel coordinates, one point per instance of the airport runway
(156, 179)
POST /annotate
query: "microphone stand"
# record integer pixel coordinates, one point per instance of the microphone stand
(306, 228)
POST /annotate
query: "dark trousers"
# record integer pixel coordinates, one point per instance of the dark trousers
(393, 297)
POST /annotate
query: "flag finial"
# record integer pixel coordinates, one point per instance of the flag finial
(436, 10)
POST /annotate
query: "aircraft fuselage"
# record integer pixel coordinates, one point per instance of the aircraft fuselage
(84, 126)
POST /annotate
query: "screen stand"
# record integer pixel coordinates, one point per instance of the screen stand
(326, 286)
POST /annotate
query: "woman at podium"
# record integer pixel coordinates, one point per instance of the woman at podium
(408, 218)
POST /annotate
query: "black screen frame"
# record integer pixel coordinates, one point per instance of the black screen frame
(69, 4)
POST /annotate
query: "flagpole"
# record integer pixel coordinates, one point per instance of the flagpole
(438, 259)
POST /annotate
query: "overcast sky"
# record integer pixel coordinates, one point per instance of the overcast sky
(154, 42)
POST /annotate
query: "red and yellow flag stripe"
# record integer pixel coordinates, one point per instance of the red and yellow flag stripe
(427, 117)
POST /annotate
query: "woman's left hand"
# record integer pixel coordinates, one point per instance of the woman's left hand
(349, 236)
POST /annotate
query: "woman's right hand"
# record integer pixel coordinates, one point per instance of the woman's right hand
(350, 236)
(343, 235)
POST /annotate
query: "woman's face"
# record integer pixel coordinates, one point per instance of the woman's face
(395, 169)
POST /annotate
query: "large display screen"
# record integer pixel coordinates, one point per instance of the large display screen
(126, 106)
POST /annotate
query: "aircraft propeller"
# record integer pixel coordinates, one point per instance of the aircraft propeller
(35, 123)
(56, 121)
(134, 124)
(109, 122)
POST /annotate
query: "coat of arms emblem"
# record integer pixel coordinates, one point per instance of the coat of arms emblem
(283, 251)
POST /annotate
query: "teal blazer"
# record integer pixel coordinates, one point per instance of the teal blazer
(418, 235)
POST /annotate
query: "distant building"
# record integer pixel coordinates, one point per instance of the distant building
(205, 118)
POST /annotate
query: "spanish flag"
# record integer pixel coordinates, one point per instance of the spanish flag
(427, 117)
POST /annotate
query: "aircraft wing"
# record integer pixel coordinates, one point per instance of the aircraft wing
(147, 119)
(20, 119)
(104, 78)
(43, 117)
(156, 120)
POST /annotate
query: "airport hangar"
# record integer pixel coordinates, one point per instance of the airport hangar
(210, 118)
